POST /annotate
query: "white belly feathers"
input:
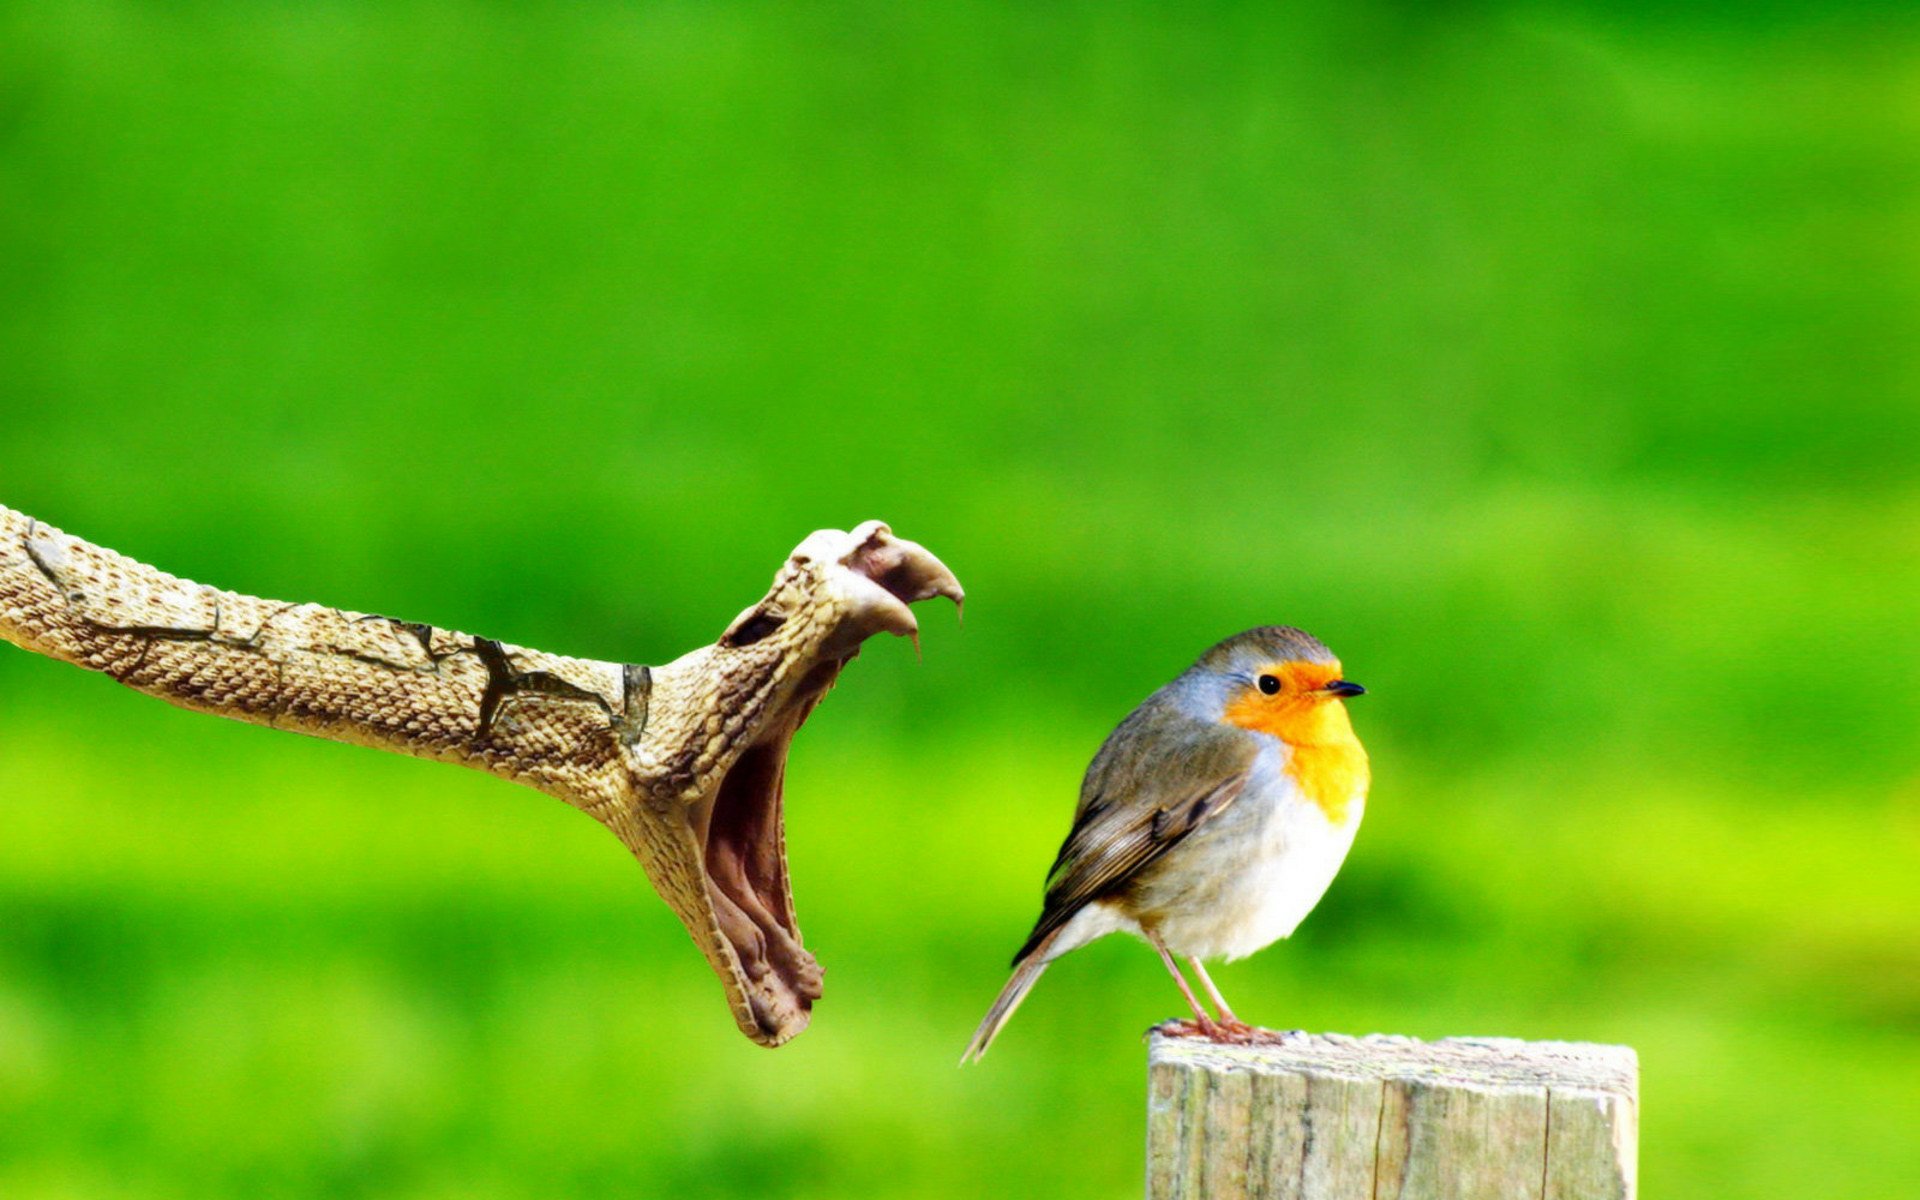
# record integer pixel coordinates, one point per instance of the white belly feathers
(1246, 879)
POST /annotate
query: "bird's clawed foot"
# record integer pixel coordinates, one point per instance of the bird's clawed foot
(1200, 1027)
(1230, 1032)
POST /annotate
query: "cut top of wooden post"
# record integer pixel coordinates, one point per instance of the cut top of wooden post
(1331, 1117)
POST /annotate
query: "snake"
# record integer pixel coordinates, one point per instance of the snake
(684, 762)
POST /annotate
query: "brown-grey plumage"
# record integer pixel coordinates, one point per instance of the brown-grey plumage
(683, 762)
(1111, 842)
(1211, 819)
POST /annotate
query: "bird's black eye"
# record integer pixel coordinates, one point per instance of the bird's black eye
(1270, 684)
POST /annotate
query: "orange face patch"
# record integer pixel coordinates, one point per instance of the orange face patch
(1327, 760)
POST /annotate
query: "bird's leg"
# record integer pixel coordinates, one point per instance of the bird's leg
(1207, 1026)
(1228, 1021)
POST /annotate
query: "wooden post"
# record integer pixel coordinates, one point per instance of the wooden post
(1330, 1117)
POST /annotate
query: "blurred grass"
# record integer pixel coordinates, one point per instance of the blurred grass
(1555, 363)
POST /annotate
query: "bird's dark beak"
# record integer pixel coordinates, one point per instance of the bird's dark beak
(1344, 688)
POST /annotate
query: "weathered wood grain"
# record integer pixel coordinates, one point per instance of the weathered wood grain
(1329, 1117)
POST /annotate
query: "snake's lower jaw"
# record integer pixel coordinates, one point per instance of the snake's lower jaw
(857, 584)
(771, 979)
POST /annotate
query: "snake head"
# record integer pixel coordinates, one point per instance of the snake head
(710, 765)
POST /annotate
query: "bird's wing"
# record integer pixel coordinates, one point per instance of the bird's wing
(1140, 799)
(553, 722)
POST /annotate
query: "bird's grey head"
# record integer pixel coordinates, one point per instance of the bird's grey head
(1246, 652)
(1233, 665)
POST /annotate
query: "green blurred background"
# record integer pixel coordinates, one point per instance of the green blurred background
(1555, 363)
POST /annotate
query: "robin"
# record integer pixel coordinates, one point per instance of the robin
(1211, 821)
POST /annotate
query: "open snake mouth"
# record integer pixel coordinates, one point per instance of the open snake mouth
(747, 884)
(683, 762)
(740, 826)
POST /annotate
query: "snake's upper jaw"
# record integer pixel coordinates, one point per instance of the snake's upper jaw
(745, 697)
(877, 576)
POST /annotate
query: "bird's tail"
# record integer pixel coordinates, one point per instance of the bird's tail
(1025, 974)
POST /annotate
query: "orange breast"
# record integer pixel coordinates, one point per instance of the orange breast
(1331, 776)
(1328, 761)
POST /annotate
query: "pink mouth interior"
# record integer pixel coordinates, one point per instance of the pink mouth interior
(746, 866)
(745, 840)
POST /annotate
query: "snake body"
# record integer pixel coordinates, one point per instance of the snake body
(683, 762)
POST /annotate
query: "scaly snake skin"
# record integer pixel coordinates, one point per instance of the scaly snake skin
(646, 751)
